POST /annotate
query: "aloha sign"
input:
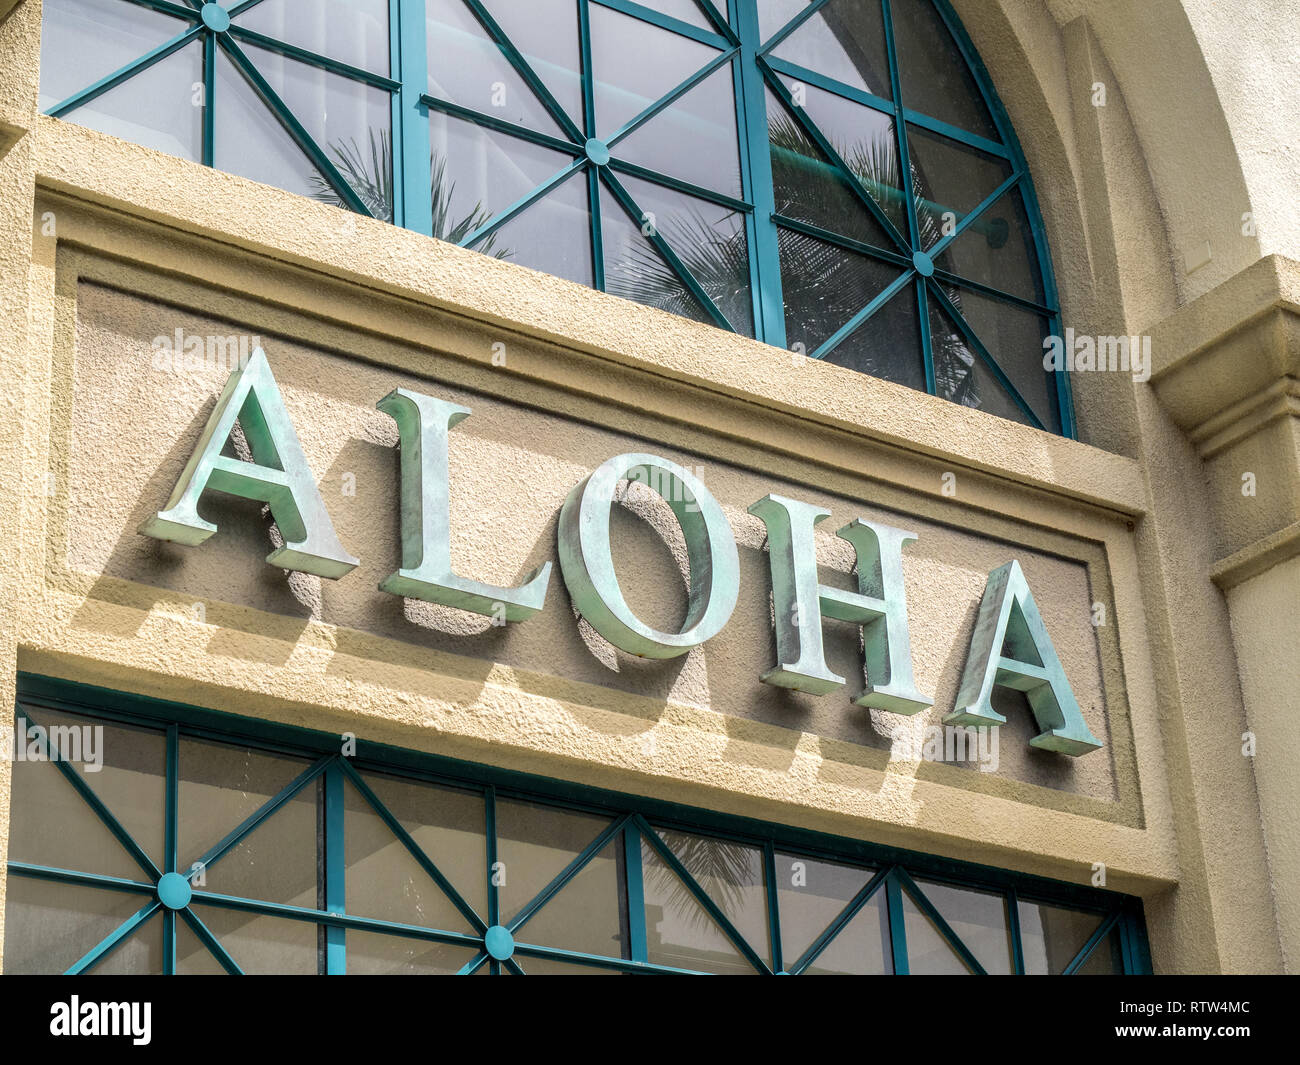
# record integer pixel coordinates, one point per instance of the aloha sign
(1010, 646)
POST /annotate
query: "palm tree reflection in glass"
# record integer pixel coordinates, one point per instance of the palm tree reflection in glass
(371, 177)
(717, 256)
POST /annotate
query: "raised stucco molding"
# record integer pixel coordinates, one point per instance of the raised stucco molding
(1226, 368)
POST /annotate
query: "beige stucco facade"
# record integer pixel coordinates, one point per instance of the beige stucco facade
(1169, 213)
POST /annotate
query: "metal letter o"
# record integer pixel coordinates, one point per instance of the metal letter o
(587, 563)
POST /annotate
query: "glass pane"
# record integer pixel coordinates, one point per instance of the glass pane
(546, 33)
(552, 235)
(679, 931)
(731, 874)
(950, 180)
(534, 844)
(865, 139)
(372, 954)
(1051, 937)
(636, 63)
(928, 952)
(123, 766)
(710, 241)
(251, 141)
(83, 41)
(50, 926)
(862, 948)
(468, 68)
(351, 31)
(262, 945)
(1106, 959)
(384, 880)
(140, 954)
(811, 894)
(979, 918)
(774, 14)
(1014, 337)
(808, 187)
(998, 250)
(155, 107)
(685, 10)
(349, 122)
(824, 286)
(888, 344)
(935, 78)
(448, 824)
(279, 861)
(221, 785)
(82, 842)
(634, 268)
(960, 374)
(192, 957)
(478, 173)
(694, 138)
(587, 915)
(845, 40)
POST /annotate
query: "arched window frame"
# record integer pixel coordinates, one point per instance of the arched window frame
(736, 35)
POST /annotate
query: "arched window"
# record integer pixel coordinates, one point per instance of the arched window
(833, 176)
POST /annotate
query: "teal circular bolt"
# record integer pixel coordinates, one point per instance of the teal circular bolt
(924, 264)
(597, 151)
(215, 17)
(174, 891)
(499, 942)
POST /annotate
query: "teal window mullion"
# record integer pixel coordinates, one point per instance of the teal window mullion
(412, 173)
(490, 852)
(209, 99)
(638, 949)
(597, 238)
(927, 341)
(773, 906)
(900, 126)
(490, 828)
(897, 926)
(756, 175)
(1013, 931)
(588, 75)
(171, 834)
(335, 869)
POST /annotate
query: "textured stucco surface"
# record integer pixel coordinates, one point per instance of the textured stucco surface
(1130, 192)
(1266, 630)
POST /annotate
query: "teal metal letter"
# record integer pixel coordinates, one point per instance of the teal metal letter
(799, 601)
(422, 426)
(588, 565)
(1011, 647)
(278, 475)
